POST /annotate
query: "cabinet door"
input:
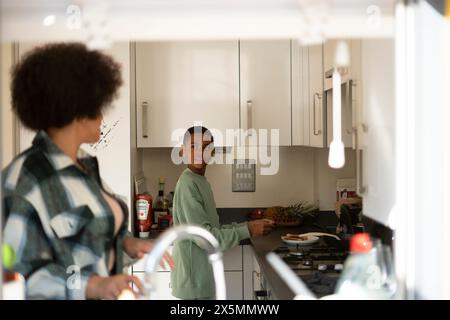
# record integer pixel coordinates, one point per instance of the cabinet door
(162, 283)
(233, 281)
(265, 75)
(248, 272)
(232, 259)
(300, 94)
(317, 116)
(139, 266)
(179, 83)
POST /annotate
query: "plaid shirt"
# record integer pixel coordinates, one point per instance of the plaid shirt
(58, 222)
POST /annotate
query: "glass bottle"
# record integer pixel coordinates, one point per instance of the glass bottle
(161, 207)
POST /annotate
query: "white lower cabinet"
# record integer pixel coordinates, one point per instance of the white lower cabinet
(139, 266)
(248, 269)
(232, 259)
(232, 263)
(161, 278)
(233, 281)
(162, 283)
(239, 269)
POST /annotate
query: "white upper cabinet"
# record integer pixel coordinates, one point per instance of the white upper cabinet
(179, 83)
(308, 107)
(300, 95)
(265, 77)
(316, 106)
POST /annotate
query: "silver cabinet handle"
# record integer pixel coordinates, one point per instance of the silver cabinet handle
(253, 280)
(349, 99)
(364, 127)
(255, 273)
(349, 131)
(249, 116)
(319, 96)
(353, 128)
(144, 119)
(360, 188)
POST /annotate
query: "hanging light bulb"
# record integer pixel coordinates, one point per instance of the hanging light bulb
(49, 20)
(336, 157)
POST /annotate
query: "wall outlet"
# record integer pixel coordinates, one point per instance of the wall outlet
(244, 175)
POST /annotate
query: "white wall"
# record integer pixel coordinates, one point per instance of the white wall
(113, 152)
(325, 177)
(303, 175)
(7, 127)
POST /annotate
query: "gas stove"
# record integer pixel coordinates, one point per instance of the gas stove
(319, 266)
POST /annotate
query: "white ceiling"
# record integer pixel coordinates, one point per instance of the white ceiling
(100, 21)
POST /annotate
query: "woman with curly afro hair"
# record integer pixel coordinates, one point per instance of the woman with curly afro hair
(69, 232)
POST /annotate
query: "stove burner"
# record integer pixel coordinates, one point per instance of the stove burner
(331, 256)
(308, 262)
(338, 267)
(329, 267)
(293, 260)
(319, 266)
(296, 254)
(282, 250)
(322, 267)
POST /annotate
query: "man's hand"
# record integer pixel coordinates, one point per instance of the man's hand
(137, 248)
(260, 227)
(111, 287)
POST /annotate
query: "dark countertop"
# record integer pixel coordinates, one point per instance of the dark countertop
(266, 244)
(263, 245)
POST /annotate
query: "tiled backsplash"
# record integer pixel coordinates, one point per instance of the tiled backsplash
(230, 215)
(304, 175)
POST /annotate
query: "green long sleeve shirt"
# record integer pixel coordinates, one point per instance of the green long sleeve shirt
(194, 204)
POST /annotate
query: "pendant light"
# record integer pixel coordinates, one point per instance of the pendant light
(336, 156)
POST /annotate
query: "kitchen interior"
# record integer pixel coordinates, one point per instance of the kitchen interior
(340, 73)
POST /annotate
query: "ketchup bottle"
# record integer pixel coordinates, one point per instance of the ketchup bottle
(144, 214)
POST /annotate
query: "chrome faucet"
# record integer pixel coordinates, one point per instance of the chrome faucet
(204, 240)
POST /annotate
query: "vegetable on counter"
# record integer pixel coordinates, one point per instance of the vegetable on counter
(286, 216)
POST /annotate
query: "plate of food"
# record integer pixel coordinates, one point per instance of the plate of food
(299, 240)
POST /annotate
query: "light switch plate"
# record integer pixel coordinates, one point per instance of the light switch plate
(244, 175)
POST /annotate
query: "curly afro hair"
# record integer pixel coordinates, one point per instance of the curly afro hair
(58, 83)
